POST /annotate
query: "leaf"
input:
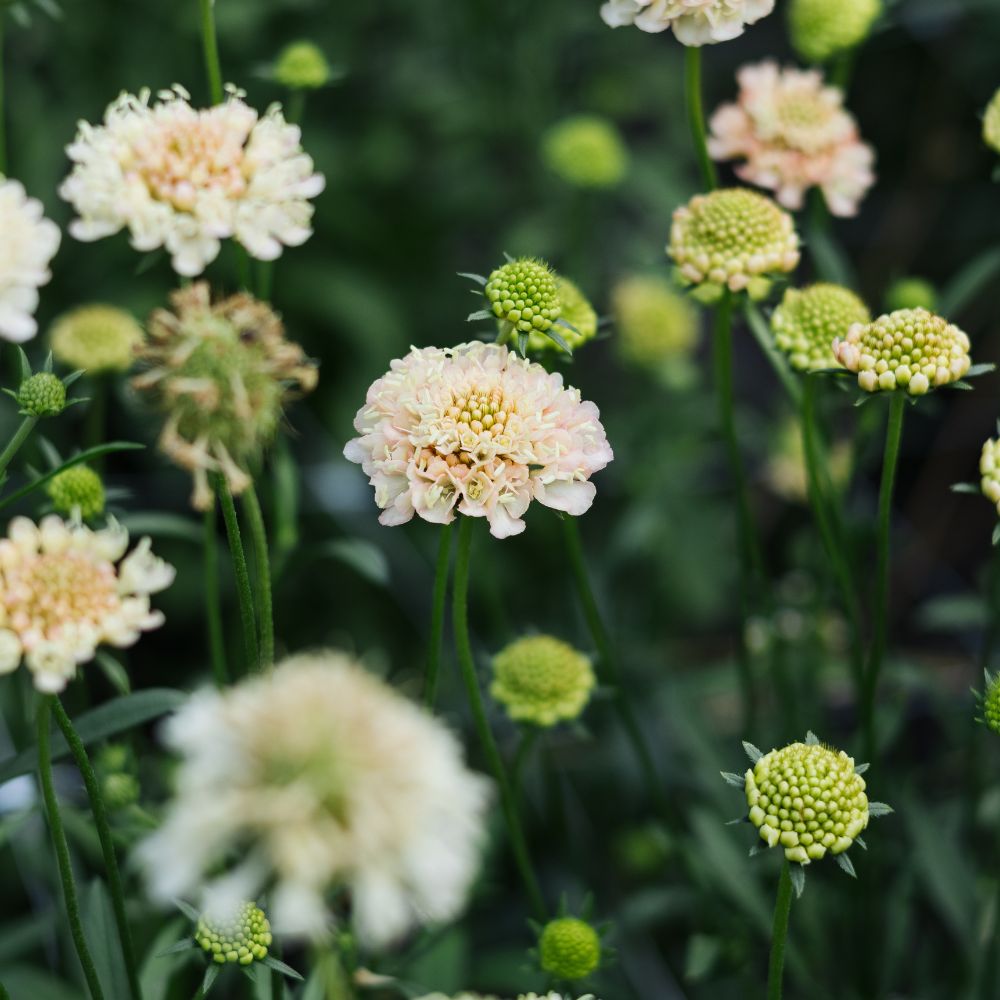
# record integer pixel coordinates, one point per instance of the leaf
(996, 534)
(102, 934)
(184, 945)
(797, 873)
(159, 524)
(522, 344)
(878, 809)
(846, 864)
(752, 752)
(965, 488)
(731, 778)
(286, 970)
(861, 400)
(479, 315)
(860, 841)
(211, 974)
(477, 278)
(983, 369)
(558, 340)
(366, 559)
(24, 365)
(812, 740)
(969, 283)
(756, 849)
(188, 910)
(861, 768)
(116, 674)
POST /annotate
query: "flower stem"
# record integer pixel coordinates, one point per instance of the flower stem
(62, 850)
(696, 115)
(437, 616)
(265, 607)
(3, 118)
(242, 574)
(779, 935)
(14, 444)
(463, 647)
(104, 834)
(213, 69)
(893, 439)
(213, 603)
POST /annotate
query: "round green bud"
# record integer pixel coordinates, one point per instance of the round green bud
(991, 123)
(42, 395)
(525, 294)
(542, 680)
(569, 948)
(585, 151)
(989, 469)
(574, 309)
(911, 293)
(808, 321)
(244, 939)
(120, 790)
(991, 705)
(77, 488)
(96, 338)
(820, 29)
(302, 66)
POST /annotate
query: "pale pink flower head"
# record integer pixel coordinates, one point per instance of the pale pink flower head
(477, 430)
(693, 22)
(793, 133)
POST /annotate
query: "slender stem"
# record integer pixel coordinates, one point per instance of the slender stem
(265, 608)
(295, 107)
(62, 850)
(95, 419)
(265, 279)
(213, 69)
(104, 834)
(4, 995)
(277, 978)
(779, 935)
(437, 616)
(3, 113)
(213, 601)
(14, 444)
(242, 574)
(696, 116)
(893, 439)
(529, 737)
(463, 647)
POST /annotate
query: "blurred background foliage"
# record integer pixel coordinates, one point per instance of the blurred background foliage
(431, 149)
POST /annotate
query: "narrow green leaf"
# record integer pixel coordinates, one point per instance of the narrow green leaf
(479, 315)
(970, 282)
(798, 876)
(286, 970)
(211, 974)
(752, 752)
(731, 778)
(861, 768)
(879, 809)
(477, 278)
(846, 864)
(812, 740)
(965, 488)
(185, 945)
(116, 674)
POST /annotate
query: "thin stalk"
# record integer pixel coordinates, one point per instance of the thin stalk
(4, 995)
(104, 834)
(893, 439)
(213, 601)
(3, 116)
(696, 116)
(262, 565)
(529, 737)
(463, 647)
(95, 419)
(14, 444)
(213, 69)
(437, 616)
(63, 862)
(779, 935)
(242, 574)
(295, 107)
(265, 279)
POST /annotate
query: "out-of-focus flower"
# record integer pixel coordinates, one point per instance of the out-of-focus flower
(319, 777)
(793, 134)
(116, 766)
(989, 703)
(576, 311)
(732, 238)
(786, 472)
(242, 937)
(991, 123)
(989, 468)
(910, 349)
(821, 29)
(808, 320)
(302, 66)
(569, 948)
(586, 151)
(458, 996)
(694, 22)
(77, 490)
(28, 244)
(185, 179)
(552, 996)
(96, 338)
(542, 680)
(474, 429)
(911, 293)
(222, 373)
(65, 590)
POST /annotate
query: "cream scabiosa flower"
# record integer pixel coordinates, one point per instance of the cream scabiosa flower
(184, 179)
(793, 133)
(694, 22)
(28, 244)
(319, 777)
(65, 590)
(475, 429)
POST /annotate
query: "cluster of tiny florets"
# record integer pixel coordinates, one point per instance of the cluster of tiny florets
(525, 294)
(808, 799)
(569, 948)
(42, 395)
(809, 319)
(820, 29)
(989, 469)
(991, 123)
(96, 338)
(910, 349)
(991, 703)
(585, 151)
(77, 489)
(244, 938)
(576, 312)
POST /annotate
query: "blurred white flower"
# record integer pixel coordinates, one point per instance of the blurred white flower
(694, 22)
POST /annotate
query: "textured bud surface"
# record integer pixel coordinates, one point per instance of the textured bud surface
(243, 939)
(302, 66)
(524, 293)
(569, 948)
(989, 469)
(77, 488)
(809, 319)
(96, 338)
(820, 29)
(991, 704)
(991, 123)
(42, 395)
(585, 151)
(574, 309)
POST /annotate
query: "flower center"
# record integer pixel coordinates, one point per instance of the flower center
(475, 425)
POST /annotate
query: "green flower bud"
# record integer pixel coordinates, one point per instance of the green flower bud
(96, 338)
(120, 790)
(911, 293)
(569, 948)
(77, 488)
(820, 28)
(302, 66)
(573, 309)
(524, 293)
(542, 680)
(585, 151)
(991, 703)
(989, 469)
(243, 939)
(808, 320)
(991, 123)
(42, 395)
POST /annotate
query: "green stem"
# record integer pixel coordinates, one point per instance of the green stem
(265, 608)
(529, 737)
(104, 834)
(779, 935)
(696, 116)
(242, 574)
(94, 421)
(213, 601)
(295, 107)
(213, 69)
(463, 647)
(4, 995)
(3, 117)
(62, 850)
(893, 439)
(14, 444)
(437, 616)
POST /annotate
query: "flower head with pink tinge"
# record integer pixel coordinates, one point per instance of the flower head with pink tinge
(694, 22)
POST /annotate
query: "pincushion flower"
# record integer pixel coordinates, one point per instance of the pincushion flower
(989, 469)
(586, 151)
(185, 179)
(66, 589)
(96, 338)
(579, 320)
(989, 703)
(242, 936)
(478, 431)
(569, 948)
(809, 319)
(29, 243)
(319, 778)
(694, 22)
(793, 133)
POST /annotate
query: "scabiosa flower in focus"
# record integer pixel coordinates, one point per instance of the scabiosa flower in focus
(911, 293)
(302, 66)
(821, 29)
(542, 680)
(732, 238)
(320, 777)
(524, 295)
(41, 395)
(578, 315)
(29, 243)
(694, 22)
(222, 373)
(243, 937)
(77, 491)
(569, 948)
(96, 339)
(793, 133)
(808, 320)
(476, 430)
(65, 590)
(185, 179)
(910, 349)
(991, 123)
(586, 151)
